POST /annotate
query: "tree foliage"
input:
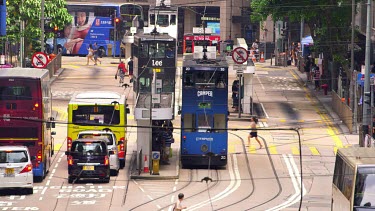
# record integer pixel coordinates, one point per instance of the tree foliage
(329, 21)
(30, 12)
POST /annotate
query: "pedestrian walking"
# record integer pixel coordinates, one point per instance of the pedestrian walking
(235, 89)
(96, 53)
(179, 205)
(253, 132)
(90, 55)
(316, 75)
(121, 71)
(130, 68)
(307, 68)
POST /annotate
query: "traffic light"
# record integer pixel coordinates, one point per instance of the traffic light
(55, 29)
(115, 21)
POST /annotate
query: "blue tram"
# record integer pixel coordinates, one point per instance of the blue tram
(204, 112)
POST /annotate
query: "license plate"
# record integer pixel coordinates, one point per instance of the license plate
(88, 168)
(9, 172)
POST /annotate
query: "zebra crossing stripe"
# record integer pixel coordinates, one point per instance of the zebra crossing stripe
(272, 149)
(295, 151)
(314, 150)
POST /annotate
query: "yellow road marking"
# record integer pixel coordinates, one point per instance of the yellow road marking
(57, 147)
(301, 120)
(332, 130)
(272, 149)
(282, 120)
(295, 151)
(314, 150)
(231, 149)
(252, 149)
(335, 150)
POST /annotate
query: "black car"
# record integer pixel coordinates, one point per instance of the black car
(88, 159)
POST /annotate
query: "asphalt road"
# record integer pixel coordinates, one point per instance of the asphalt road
(254, 179)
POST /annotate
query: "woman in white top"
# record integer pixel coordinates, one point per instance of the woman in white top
(179, 206)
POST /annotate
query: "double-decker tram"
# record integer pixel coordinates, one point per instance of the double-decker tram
(154, 57)
(26, 114)
(204, 112)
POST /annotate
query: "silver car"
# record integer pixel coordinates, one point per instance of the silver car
(114, 161)
(16, 169)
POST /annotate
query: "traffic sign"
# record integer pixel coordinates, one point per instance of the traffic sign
(240, 55)
(39, 60)
(155, 155)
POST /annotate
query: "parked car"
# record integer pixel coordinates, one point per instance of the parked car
(16, 169)
(89, 159)
(114, 160)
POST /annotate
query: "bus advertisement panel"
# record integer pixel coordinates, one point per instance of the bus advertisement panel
(26, 111)
(98, 110)
(95, 24)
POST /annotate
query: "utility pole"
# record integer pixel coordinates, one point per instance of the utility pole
(353, 97)
(366, 98)
(114, 35)
(42, 27)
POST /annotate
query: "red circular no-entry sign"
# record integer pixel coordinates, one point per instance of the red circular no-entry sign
(240, 55)
(39, 60)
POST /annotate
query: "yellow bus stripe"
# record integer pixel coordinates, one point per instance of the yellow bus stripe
(272, 149)
(314, 150)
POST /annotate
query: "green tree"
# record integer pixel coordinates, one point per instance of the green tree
(30, 11)
(329, 21)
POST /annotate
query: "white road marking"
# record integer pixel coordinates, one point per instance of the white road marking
(260, 82)
(47, 184)
(294, 175)
(150, 197)
(56, 165)
(265, 112)
(235, 182)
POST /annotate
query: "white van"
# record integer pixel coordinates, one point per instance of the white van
(16, 169)
(114, 161)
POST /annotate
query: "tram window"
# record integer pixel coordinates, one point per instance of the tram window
(187, 80)
(143, 48)
(152, 19)
(204, 120)
(157, 50)
(205, 79)
(144, 84)
(365, 186)
(219, 123)
(220, 81)
(173, 20)
(169, 52)
(188, 121)
(162, 20)
(348, 182)
(339, 173)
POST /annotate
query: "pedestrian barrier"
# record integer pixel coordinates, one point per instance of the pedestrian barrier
(145, 167)
(254, 58)
(262, 57)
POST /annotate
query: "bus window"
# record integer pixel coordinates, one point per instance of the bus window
(219, 123)
(188, 121)
(15, 93)
(96, 115)
(189, 46)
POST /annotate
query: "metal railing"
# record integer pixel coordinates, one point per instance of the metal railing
(54, 65)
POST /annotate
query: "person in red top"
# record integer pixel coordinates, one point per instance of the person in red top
(121, 71)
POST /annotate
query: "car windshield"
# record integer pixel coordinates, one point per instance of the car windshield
(13, 156)
(96, 148)
(98, 136)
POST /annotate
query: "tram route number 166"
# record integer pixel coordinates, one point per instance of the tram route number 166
(157, 63)
(223, 157)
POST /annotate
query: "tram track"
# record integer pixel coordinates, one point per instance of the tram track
(252, 191)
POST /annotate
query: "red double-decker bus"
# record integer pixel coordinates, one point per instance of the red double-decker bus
(192, 40)
(26, 114)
